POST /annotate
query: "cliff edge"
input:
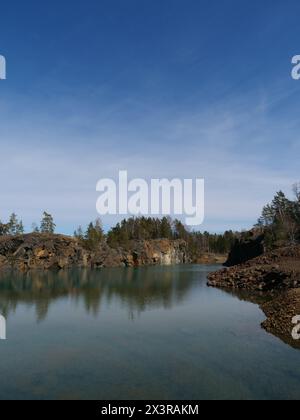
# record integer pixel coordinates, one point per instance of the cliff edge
(49, 251)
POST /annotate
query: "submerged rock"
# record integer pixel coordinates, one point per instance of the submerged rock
(281, 312)
(276, 277)
(280, 309)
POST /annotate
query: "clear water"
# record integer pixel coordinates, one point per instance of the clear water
(148, 333)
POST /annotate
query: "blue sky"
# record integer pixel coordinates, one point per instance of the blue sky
(166, 88)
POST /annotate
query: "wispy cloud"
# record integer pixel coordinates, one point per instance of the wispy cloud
(237, 146)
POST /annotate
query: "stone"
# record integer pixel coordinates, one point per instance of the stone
(276, 270)
(47, 251)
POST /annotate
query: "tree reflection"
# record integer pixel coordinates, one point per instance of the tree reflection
(136, 289)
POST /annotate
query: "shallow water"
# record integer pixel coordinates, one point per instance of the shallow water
(147, 333)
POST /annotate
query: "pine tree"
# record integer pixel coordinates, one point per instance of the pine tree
(78, 234)
(4, 229)
(94, 235)
(13, 224)
(280, 220)
(47, 224)
(20, 228)
(35, 228)
(166, 228)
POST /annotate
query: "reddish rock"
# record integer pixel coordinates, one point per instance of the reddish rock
(44, 251)
(277, 270)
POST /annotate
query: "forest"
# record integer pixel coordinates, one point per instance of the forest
(279, 221)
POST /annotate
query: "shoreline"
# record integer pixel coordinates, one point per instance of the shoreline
(57, 252)
(275, 277)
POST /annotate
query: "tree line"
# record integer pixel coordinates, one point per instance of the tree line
(280, 220)
(132, 229)
(92, 237)
(15, 226)
(147, 228)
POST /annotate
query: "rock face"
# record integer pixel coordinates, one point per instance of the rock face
(141, 253)
(249, 246)
(277, 270)
(158, 252)
(43, 251)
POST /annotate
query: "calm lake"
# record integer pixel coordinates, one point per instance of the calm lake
(147, 333)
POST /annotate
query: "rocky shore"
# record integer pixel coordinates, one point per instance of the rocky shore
(276, 277)
(47, 251)
(210, 258)
(280, 312)
(277, 270)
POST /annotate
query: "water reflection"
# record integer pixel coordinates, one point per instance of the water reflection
(137, 289)
(209, 346)
(278, 318)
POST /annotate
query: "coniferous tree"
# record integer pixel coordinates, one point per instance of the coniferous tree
(13, 224)
(280, 220)
(4, 229)
(94, 235)
(47, 224)
(34, 228)
(20, 228)
(166, 228)
(78, 234)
